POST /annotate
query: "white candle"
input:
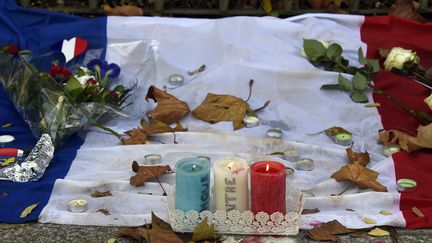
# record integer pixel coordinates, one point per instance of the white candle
(231, 184)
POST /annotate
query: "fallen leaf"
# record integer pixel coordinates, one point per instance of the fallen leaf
(204, 231)
(104, 211)
(140, 135)
(169, 109)
(101, 194)
(332, 131)
(267, 6)
(124, 10)
(385, 212)
(28, 210)
(361, 158)
(216, 108)
(135, 233)
(350, 209)
(328, 231)
(161, 232)
(7, 125)
(417, 212)
(406, 9)
(359, 175)
(378, 232)
(407, 142)
(145, 173)
(369, 221)
(112, 240)
(310, 211)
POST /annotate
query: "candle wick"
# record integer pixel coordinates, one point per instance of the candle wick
(193, 168)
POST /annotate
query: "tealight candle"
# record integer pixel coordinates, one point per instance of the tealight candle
(6, 138)
(192, 184)
(231, 184)
(78, 205)
(291, 155)
(305, 164)
(343, 139)
(251, 121)
(268, 187)
(389, 150)
(176, 79)
(152, 159)
(406, 185)
(274, 133)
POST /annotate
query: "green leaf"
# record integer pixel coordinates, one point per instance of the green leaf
(314, 49)
(359, 97)
(73, 88)
(359, 81)
(345, 83)
(80, 72)
(334, 51)
(374, 64)
(361, 58)
(119, 88)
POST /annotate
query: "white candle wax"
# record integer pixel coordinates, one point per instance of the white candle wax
(231, 184)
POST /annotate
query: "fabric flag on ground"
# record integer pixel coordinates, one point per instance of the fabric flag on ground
(234, 51)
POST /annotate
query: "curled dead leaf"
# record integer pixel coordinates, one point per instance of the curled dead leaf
(216, 108)
(310, 211)
(406, 9)
(407, 142)
(359, 175)
(140, 135)
(124, 10)
(169, 109)
(328, 231)
(104, 211)
(161, 231)
(28, 210)
(101, 194)
(361, 158)
(135, 233)
(145, 173)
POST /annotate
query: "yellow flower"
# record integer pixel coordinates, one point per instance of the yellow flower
(428, 101)
(398, 57)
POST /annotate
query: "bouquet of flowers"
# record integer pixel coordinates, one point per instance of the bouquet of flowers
(61, 102)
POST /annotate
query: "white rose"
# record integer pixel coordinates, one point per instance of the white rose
(398, 57)
(428, 101)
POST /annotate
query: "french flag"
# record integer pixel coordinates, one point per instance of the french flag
(234, 50)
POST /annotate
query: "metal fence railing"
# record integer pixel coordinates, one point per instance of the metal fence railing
(224, 9)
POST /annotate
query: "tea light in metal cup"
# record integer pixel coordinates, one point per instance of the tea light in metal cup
(343, 139)
(6, 139)
(305, 164)
(204, 157)
(176, 79)
(78, 205)
(291, 155)
(289, 171)
(152, 159)
(389, 150)
(406, 185)
(251, 121)
(274, 133)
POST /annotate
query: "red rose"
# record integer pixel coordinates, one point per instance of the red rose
(62, 72)
(11, 49)
(91, 82)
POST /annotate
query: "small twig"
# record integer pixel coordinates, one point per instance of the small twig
(250, 89)
(160, 184)
(346, 189)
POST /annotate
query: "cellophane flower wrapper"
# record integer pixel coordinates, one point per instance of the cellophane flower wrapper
(47, 110)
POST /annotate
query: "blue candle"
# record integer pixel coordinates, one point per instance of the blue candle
(192, 184)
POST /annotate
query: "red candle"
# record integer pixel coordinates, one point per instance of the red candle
(268, 187)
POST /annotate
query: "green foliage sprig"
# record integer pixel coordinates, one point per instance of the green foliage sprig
(332, 60)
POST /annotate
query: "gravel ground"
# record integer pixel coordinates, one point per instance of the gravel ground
(46, 233)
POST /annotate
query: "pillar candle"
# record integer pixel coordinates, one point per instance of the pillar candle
(268, 187)
(231, 184)
(192, 184)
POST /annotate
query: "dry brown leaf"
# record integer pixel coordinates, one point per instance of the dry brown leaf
(104, 211)
(216, 108)
(169, 109)
(145, 173)
(406, 9)
(204, 231)
(124, 10)
(310, 211)
(361, 158)
(101, 194)
(359, 175)
(328, 231)
(350, 209)
(140, 135)
(407, 142)
(161, 232)
(135, 233)
(28, 210)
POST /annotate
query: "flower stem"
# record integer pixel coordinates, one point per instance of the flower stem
(95, 123)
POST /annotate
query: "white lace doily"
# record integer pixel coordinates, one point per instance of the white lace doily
(236, 222)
